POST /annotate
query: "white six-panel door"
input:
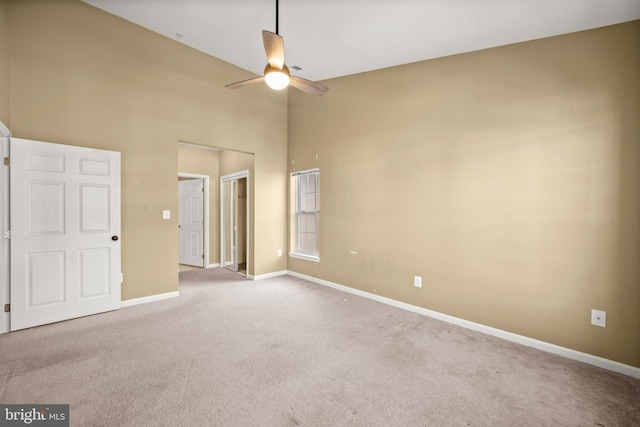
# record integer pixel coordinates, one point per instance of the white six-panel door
(191, 222)
(65, 232)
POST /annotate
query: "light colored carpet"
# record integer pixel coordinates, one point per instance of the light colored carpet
(285, 352)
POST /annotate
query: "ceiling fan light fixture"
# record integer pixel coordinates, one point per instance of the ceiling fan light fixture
(277, 79)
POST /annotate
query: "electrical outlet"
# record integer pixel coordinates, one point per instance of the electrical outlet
(599, 318)
(417, 281)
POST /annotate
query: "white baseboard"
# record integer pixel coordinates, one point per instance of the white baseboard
(150, 298)
(216, 265)
(267, 275)
(590, 359)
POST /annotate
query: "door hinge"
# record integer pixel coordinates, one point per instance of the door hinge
(7, 234)
(7, 308)
(7, 161)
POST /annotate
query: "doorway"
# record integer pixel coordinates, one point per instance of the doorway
(234, 214)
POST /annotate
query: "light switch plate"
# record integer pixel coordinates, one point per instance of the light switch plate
(166, 214)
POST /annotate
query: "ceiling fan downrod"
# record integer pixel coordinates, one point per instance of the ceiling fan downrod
(277, 8)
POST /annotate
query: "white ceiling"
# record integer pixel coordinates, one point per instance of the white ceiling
(333, 38)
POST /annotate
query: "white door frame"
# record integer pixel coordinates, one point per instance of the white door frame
(206, 207)
(232, 224)
(223, 179)
(5, 288)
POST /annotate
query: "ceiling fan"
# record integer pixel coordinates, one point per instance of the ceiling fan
(276, 73)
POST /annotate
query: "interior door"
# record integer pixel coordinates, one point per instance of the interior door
(226, 240)
(65, 232)
(232, 223)
(191, 222)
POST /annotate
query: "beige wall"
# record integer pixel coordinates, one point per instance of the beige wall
(205, 162)
(4, 62)
(81, 76)
(233, 161)
(509, 179)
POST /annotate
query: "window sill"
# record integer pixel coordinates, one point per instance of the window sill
(305, 257)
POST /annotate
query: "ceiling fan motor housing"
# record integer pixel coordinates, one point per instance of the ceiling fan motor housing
(277, 78)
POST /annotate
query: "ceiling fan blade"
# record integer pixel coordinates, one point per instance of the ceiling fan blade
(236, 85)
(274, 47)
(308, 86)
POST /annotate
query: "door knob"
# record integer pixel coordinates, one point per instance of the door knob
(114, 238)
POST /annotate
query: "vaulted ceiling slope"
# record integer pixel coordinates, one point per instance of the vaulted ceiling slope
(333, 38)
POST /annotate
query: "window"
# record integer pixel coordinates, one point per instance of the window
(306, 188)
